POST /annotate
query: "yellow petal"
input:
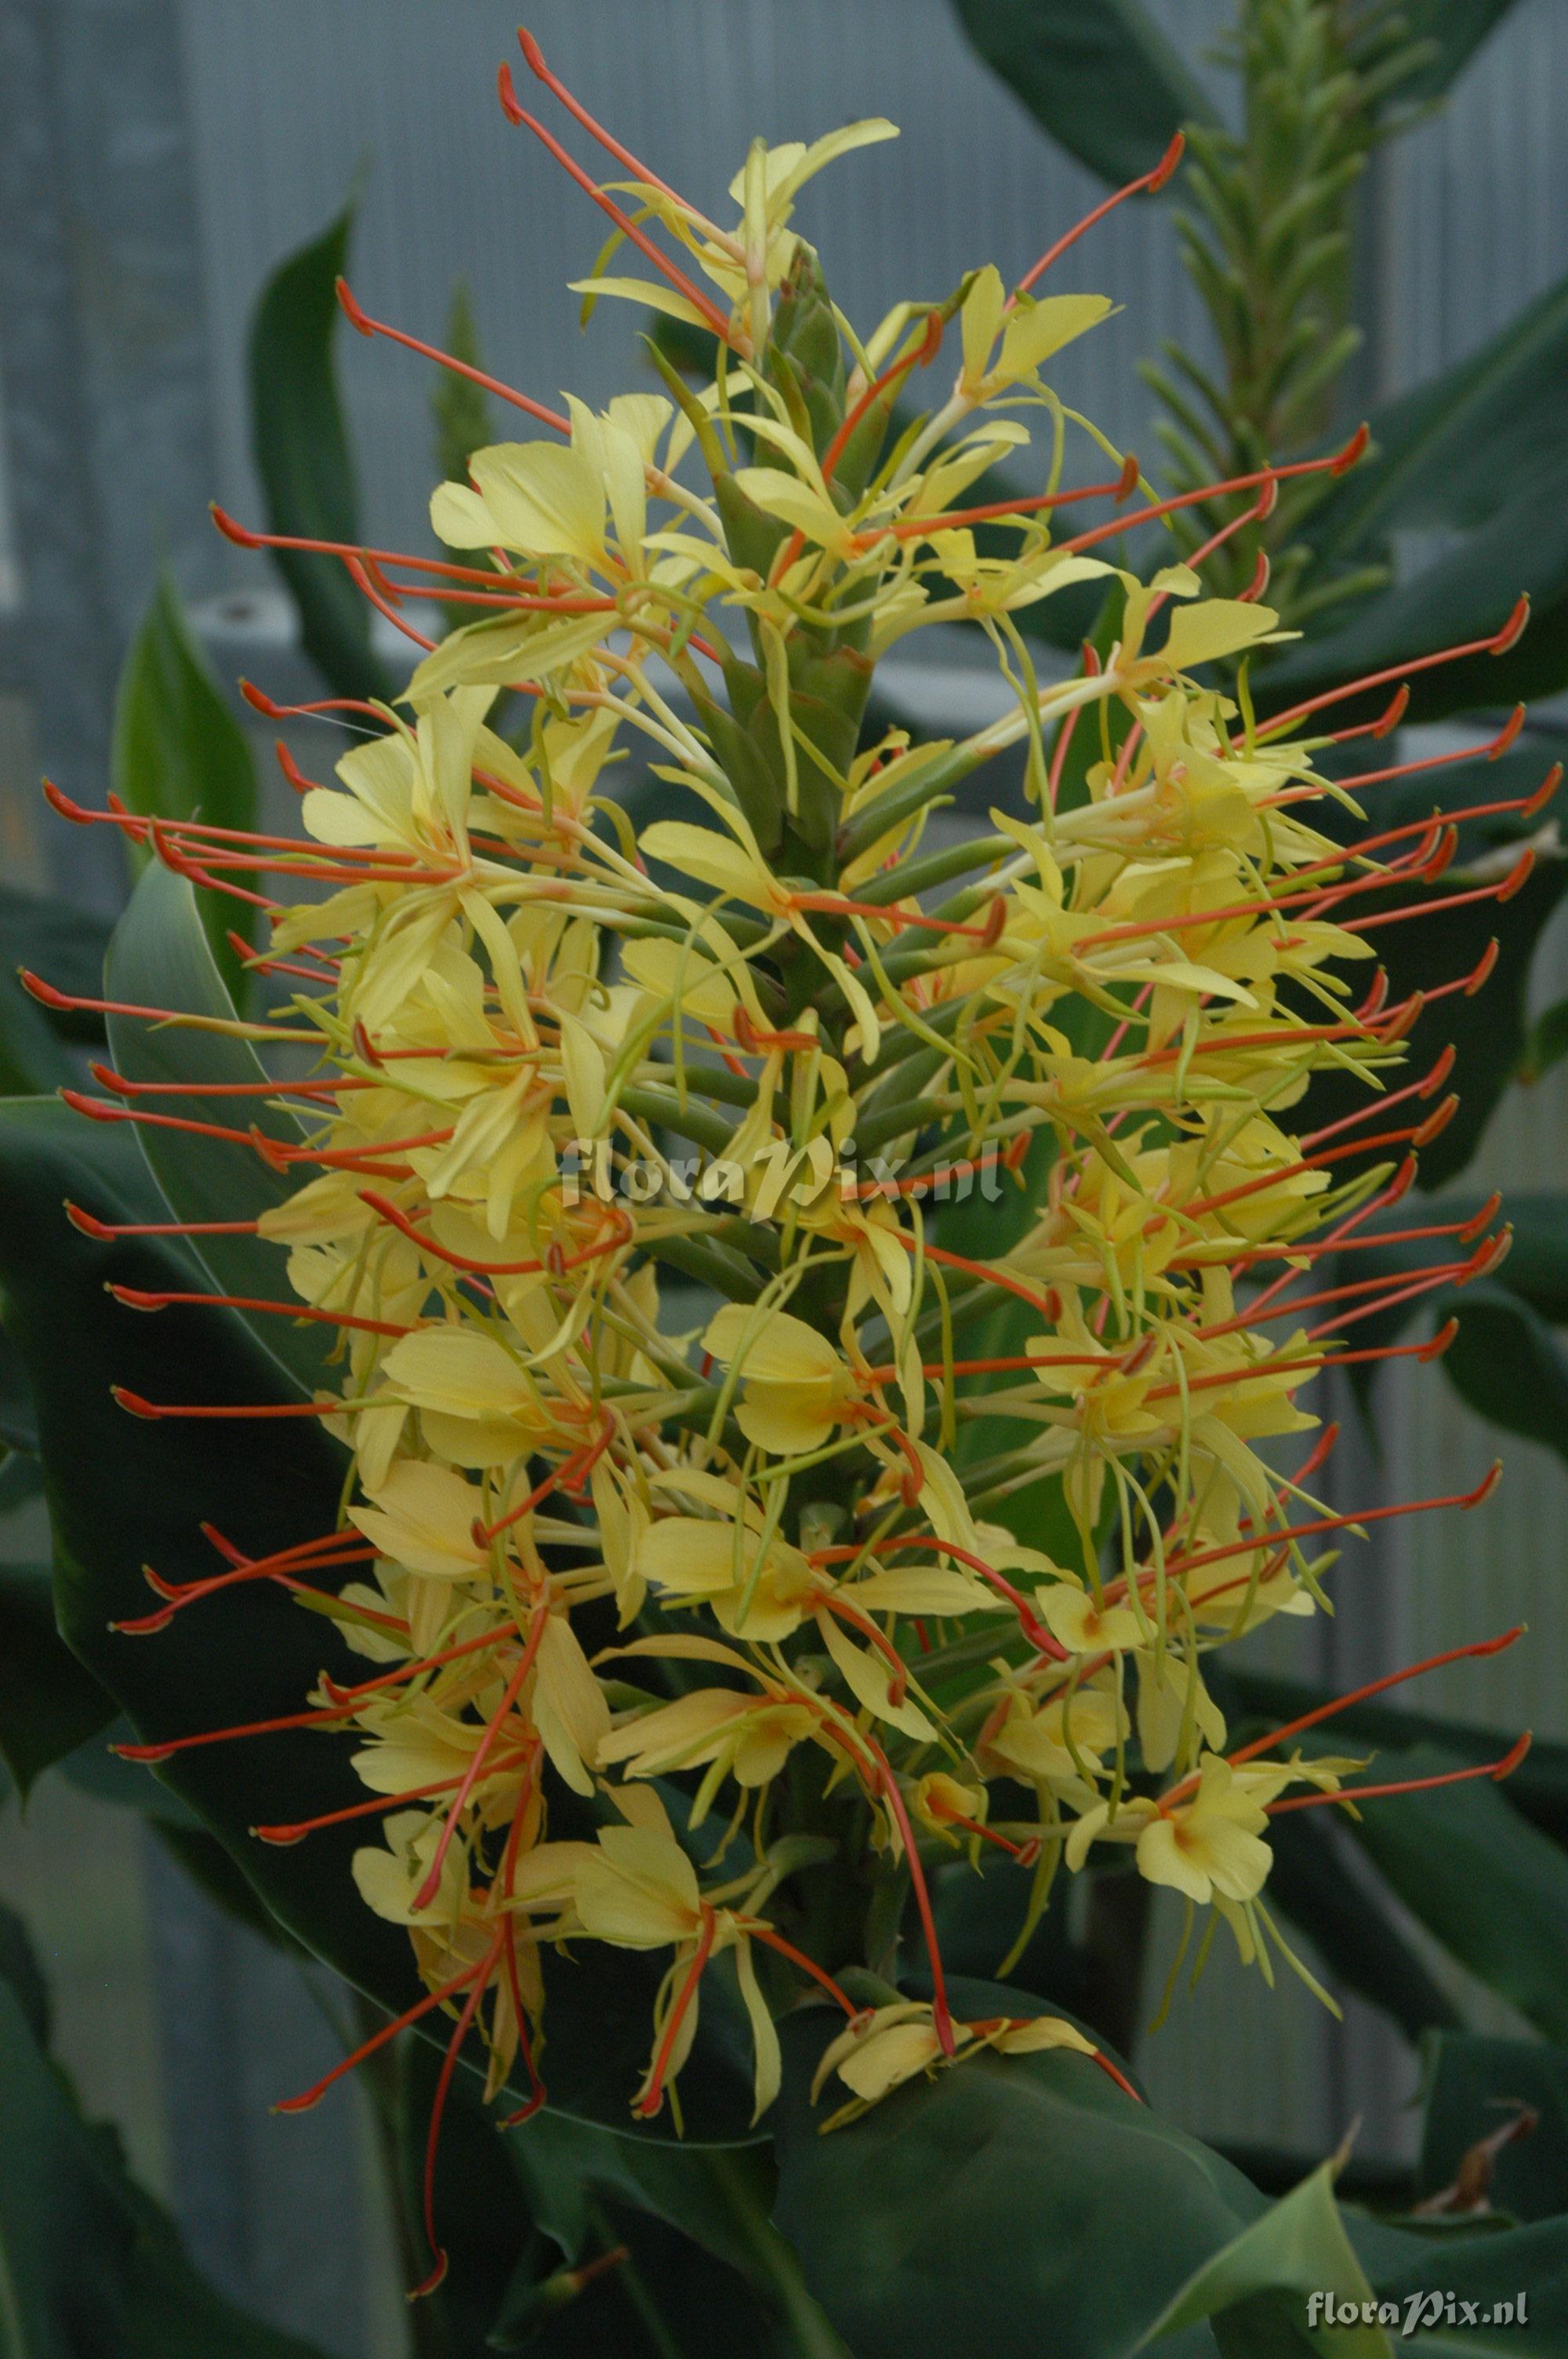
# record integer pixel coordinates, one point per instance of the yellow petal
(1043, 2031)
(775, 1347)
(1219, 627)
(547, 500)
(453, 1370)
(1035, 330)
(423, 1518)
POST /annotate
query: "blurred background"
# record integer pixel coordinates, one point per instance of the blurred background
(158, 160)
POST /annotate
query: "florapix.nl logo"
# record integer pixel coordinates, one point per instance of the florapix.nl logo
(766, 1183)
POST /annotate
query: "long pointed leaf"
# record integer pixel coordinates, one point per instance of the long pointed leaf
(1009, 2206)
(1098, 74)
(179, 753)
(1454, 31)
(159, 958)
(91, 2268)
(302, 456)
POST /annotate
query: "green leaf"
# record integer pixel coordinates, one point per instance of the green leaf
(1487, 1031)
(1098, 74)
(1487, 2270)
(1546, 1043)
(159, 957)
(1297, 2248)
(1352, 1934)
(124, 1493)
(1454, 29)
(179, 753)
(1505, 1360)
(1457, 449)
(464, 420)
(65, 946)
(20, 1968)
(1507, 1364)
(1261, 1700)
(963, 2213)
(19, 1422)
(91, 2268)
(1482, 451)
(1477, 1874)
(1474, 2087)
(48, 1703)
(718, 2200)
(302, 455)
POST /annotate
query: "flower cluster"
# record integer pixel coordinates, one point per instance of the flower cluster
(671, 1605)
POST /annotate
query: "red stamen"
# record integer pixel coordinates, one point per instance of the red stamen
(920, 355)
(437, 1997)
(1149, 183)
(1497, 644)
(941, 2015)
(137, 1297)
(1497, 1770)
(758, 1931)
(268, 706)
(292, 773)
(517, 112)
(1373, 1687)
(106, 1230)
(427, 1890)
(283, 1836)
(534, 57)
(361, 318)
(651, 2102)
(1336, 465)
(140, 1407)
(443, 2085)
(359, 576)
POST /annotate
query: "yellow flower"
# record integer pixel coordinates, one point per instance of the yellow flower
(754, 1591)
(749, 1736)
(795, 1387)
(883, 2049)
(424, 1519)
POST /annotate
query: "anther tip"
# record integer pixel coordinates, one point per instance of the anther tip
(506, 90)
(1485, 1488)
(427, 2285)
(1513, 629)
(1353, 450)
(1519, 876)
(349, 309)
(1514, 1755)
(232, 529)
(36, 988)
(1167, 164)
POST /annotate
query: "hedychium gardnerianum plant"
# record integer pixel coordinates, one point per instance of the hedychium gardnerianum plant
(1268, 242)
(711, 1645)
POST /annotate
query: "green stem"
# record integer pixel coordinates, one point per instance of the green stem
(775, 2269)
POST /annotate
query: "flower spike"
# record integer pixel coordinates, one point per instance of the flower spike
(521, 1057)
